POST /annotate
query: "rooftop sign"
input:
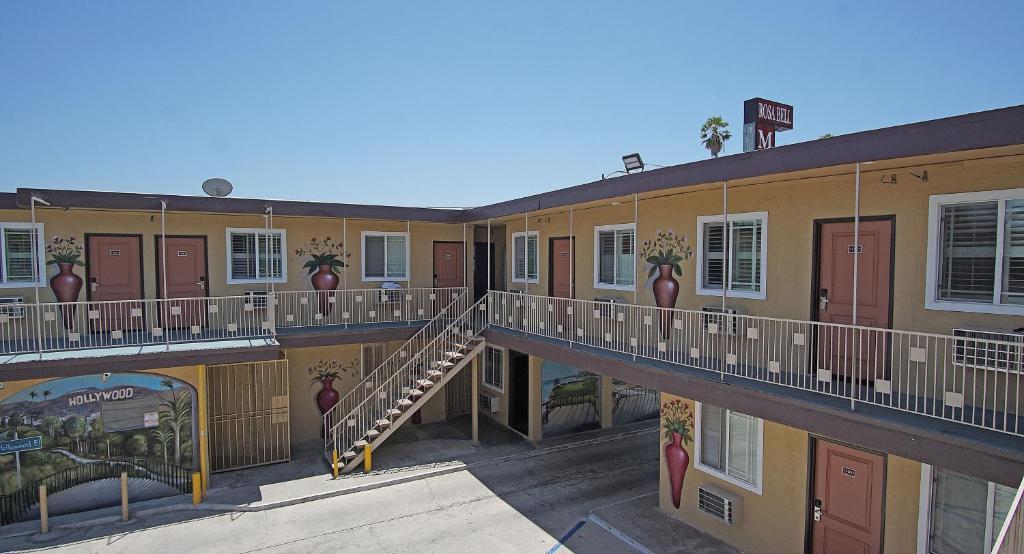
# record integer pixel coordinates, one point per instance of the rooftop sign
(761, 120)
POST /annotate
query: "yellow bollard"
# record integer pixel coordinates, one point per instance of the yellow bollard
(124, 496)
(367, 458)
(44, 511)
(334, 463)
(197, 488)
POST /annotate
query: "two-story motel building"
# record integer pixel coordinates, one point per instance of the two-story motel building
(847, 332)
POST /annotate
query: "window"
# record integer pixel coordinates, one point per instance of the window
(747, 249)
(385, 256)
(976, 252)
(524, 257)
(614, 256)
(16, 265)
(256, 256)
(372, 356)
(964, 514)
(729, 446)
(494, 368)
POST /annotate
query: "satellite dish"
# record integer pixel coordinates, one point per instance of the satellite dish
(217, 187)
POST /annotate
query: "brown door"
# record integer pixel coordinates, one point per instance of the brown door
(850, 353)
(561, 268)
(186, 278)
(449, 264)
(846, 511)
(115, 273)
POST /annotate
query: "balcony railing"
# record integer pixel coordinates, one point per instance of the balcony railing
(53, 327)
(967, 380)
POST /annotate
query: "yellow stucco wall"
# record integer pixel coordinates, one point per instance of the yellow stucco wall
(78, 222)
(775, 520)
(793, 203)
(304, 416)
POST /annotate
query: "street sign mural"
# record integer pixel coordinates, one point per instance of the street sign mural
(761, 120)
(81, 432)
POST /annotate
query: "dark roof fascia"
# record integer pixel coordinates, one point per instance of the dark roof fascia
(988, 129)
(8, 201)
(176, 203)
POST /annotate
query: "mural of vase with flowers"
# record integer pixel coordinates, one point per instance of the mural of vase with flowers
(325, 372)
(65, 253)
(665, 254)
(326, 257)
(677, 420)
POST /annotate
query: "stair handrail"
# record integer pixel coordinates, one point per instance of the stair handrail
(391, 388)
(359, 392)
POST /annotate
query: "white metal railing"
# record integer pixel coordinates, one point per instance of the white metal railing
(373, 380)
(1011, 536)
(381, 403)
(55, 326)
(971, 381)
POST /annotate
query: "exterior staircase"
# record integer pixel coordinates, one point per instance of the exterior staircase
(387, 397)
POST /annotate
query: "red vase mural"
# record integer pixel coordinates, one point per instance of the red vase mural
(327, 397)
(677, 420)
(325, 372)
(65, 253)
(326, 257)
(665, 254)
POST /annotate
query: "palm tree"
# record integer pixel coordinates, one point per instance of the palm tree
(46, 394)
(714, 133)
(163, 436)
(33, 395)
(178, 415)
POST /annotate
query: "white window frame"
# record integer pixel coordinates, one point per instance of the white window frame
(385, 234)
(503, 369)
(924, 512)
(526, 252)
(762, 293)
(698, 463)
(597, 256)
(256, 230)
(935, 203)
(40, 256)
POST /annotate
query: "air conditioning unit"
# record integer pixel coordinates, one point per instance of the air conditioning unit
(258, 298)
(12, 307)
(604, 307)
(713, 314)
(718, 504)
(489, 403)
(981, 348)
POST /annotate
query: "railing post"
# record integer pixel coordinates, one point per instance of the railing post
(124, 496)
(272, 313)
(44, 511)
(197, 488)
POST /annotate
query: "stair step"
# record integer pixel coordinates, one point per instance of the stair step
(435, 373)
(455, 355)
(394, 412)
(383, 423)
(425, 383)
(350, 454)
(373, 433)
(405, 402)
(444, 364)
(360, 443)
(416, 393)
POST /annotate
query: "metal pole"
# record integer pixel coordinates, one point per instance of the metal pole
(163, 271)
(636, 219)
(35, 274)
(408, 253)
(489, 277)
(526, 253)
(572, 256)
(856, 267)
(726, 276)
(465, 256)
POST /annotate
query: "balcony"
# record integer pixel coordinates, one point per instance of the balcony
(967, 381)
(53, 330)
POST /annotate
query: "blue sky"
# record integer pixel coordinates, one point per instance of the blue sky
(458, 103)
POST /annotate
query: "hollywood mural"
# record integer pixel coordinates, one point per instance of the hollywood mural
(91, 428)
(570, 400)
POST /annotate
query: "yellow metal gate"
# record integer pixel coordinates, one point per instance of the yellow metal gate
(248, 406)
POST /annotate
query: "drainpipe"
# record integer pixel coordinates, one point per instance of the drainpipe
(572, 276)
(163, 271)
(636, 230)
(489, 239)
(526, 267)
(726, 274)
(856, 267)
(268, 219)
(465, 257)
(35, 275)
(344, 269)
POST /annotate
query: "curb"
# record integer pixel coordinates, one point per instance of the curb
(187, 506)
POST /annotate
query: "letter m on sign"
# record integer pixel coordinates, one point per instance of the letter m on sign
(765, 137)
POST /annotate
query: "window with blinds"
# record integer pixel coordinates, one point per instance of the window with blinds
(966, 513)
(256, 256)
(746, 253)
(980, 249)
(524, 257)
(493, 368)
(615, 247)
(373, 355)
(729, 444)
(22, 254)
(385, 256)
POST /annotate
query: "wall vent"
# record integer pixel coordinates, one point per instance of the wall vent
(12, 307)
(718, 504)
(989, 349)
(489, 403)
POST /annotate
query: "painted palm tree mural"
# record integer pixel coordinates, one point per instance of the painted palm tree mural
(139, 421)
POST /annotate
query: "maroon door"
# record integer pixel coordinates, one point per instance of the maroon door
(186, 279)
(846, 511)
(449, 264)
(115, 273)
(856, 354)
(561, 268)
